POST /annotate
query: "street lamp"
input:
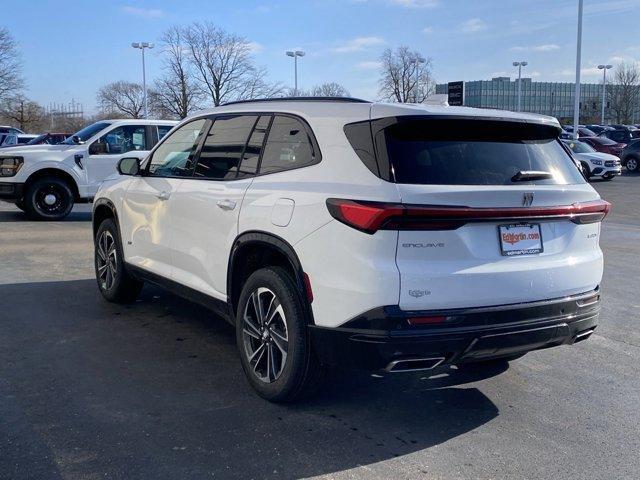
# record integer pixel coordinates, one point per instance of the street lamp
(576, 104)
(295, 54)
(520, 65)
(142, 46)
(604, 69)
(419, 60)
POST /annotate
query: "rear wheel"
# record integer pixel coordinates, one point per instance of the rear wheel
(273, 339)
(632, 164)
(116, 284)
(48, 199)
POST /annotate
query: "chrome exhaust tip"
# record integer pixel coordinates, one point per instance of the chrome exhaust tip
(413, 364)
(583, 335)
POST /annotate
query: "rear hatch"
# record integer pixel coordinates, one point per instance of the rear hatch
(496, 213)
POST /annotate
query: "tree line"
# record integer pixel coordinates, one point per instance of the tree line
(203, 65)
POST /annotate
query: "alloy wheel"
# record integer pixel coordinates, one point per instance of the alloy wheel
(632, 164)
(107, 257)
(265, 335)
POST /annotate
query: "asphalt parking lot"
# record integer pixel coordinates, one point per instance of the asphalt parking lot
(155, 389)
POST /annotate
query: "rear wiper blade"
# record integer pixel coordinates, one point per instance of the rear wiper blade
(526, 175)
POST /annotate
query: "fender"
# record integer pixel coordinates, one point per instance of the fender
(35, 167)
(104, 202)
(260, 237)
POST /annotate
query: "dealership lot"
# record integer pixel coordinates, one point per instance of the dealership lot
(155, 390)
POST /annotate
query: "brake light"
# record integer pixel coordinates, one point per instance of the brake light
(370, 217)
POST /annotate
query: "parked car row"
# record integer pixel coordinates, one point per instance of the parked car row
(11, 139)
(618, 140)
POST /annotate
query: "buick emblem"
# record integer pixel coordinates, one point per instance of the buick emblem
(527, 199)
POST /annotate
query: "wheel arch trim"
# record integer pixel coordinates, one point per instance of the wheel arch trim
(104, 203)
(279, 244)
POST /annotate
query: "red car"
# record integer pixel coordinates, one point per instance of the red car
(605, 145)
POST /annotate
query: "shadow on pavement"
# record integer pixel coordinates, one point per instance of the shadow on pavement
(19, 216)
(155, 390)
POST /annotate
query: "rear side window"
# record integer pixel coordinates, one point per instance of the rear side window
(288, 146)
(224, 146)
(472, 152)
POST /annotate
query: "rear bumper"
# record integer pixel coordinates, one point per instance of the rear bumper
(384, 338)
(11, 192)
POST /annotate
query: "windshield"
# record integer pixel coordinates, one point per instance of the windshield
(466, 152)
(86, 133)
(580, 147)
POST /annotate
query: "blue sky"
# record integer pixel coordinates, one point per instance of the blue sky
(72, 47)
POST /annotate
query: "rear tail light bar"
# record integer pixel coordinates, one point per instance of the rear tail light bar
(369, 217)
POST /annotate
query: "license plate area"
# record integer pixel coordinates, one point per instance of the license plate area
(520, 239)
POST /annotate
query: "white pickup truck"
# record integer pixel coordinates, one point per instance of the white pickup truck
(46, 180)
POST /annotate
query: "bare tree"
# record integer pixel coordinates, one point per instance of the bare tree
(10, 79)
(176, 92)
(255, 86)
(623, 95)
(223, 65)
(330, 89)
(122, 98)
(406, 76)
(28, 115)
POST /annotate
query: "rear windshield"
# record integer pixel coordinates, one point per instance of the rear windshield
(474, 152)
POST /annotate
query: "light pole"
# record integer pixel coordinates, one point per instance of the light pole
(576, 105)
(604, 69)
(142, 46)
(295, 54)
(419, 60)
(520, 65)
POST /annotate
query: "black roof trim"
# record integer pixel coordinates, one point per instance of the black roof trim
(300, 99)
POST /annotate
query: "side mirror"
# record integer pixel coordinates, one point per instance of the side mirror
(97, 148)
(129, 166)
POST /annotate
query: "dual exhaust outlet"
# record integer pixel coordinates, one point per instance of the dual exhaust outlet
(413, 364)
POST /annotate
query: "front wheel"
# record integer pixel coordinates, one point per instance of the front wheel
(48, 199)
(632, 164)
(114, 281)
(586, 170)
(273, 339)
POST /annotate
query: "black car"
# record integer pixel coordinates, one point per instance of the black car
(631, 157)
(622, 135)
(598, 129)
(582, 131)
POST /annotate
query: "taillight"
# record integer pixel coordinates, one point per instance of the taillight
(370, 217)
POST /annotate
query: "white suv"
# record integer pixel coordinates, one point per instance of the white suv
(387, 237)
(46, 180)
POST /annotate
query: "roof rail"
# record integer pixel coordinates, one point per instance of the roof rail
(300, 99)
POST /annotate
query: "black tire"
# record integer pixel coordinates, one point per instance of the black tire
(115, 283)
(48, 199)
(632, 164)
(586, 170)
(294, 376)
